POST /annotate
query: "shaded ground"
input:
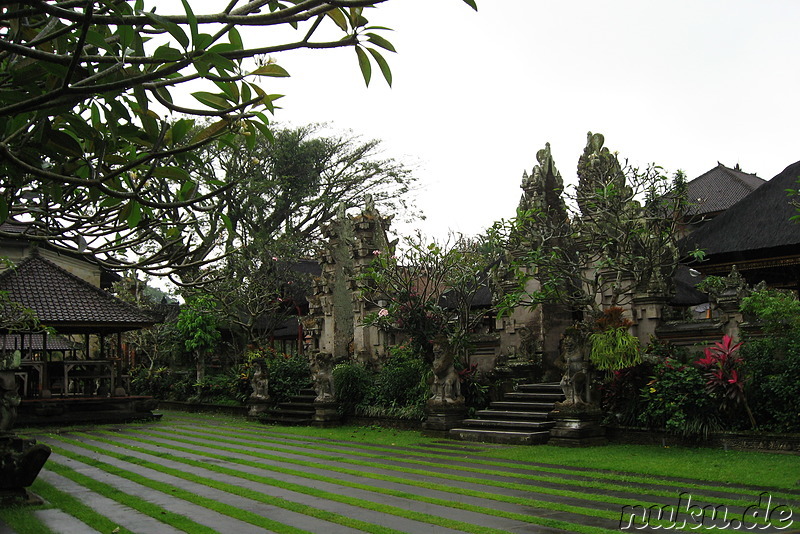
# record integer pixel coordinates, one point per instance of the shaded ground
(189, 473)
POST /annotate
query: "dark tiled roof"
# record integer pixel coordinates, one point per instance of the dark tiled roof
(61, 299)
(719, 189)
(54, 342)
(759, 221)
(686, 292)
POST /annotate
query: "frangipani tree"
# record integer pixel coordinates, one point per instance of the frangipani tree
(427, 292)
(88, 158)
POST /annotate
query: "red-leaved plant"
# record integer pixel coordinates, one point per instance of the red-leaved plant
(721, 364)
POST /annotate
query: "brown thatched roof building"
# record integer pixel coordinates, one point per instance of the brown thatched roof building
(756, 234)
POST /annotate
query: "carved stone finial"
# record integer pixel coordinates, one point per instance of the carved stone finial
(369, 203)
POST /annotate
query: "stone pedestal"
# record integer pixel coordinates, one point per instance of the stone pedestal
(441, 417)
(577, 426)
(21, 460)
(257, 407)
(326, 413)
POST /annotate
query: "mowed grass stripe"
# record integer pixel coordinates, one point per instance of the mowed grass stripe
(523, 501)
(23, 521)
(75, 507)
(582, 478)
(222, 508)
(181, 522)
(258, 496)
(527, 502)
(451, 470)
(376, 476)
(687, 481)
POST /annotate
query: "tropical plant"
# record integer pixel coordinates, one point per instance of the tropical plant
(677, 401)
(614, 349)
(621, 396)
(724, 378)
(778, 311)
(198, 325)
(773, 365)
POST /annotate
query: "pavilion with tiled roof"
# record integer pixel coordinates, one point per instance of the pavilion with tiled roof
(67, 303)
(71, 307)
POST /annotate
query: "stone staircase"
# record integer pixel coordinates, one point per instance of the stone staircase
(521, 418)
(299, 410)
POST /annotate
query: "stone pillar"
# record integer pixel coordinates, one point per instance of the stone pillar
(577, 426)
(326, 413)
(648, 314)
(259, 398)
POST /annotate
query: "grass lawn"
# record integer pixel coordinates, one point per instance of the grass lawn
(212, 473)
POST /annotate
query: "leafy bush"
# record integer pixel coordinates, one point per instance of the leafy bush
(476, 393)
(779, 311)
(613, 347)
(352, 382)
(773, 362)
(162, 383)
(287, 374)
(773, 365)
(622, 398)
(399, 390)
(676, 400)
(403, 380)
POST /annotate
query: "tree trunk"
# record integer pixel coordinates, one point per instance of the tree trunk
(200, 361)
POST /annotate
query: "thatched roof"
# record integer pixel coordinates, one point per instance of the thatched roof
(759, 221)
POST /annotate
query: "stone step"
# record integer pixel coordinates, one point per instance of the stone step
(287, 419)
(509, 414)
(534, 397)
(505, 424)
(545, 387)
(292, 411)
(291, 405)
(500, 436)
(522, 406)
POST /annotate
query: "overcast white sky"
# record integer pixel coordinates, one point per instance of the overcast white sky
(684, 83)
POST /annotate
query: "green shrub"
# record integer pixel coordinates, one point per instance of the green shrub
(614, 349)
(399, 390)
(779, 311)
(352, 382)
(162, 383)
(403, 380)
(676, 400)
(287, 374)
(773, 365)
